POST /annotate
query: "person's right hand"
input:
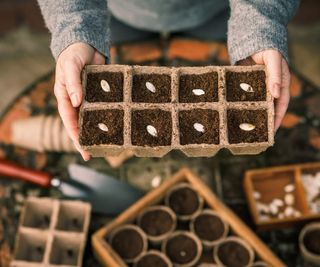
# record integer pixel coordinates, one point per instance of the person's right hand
(68, 88)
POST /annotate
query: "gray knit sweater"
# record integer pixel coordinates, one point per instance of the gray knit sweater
(254, 25)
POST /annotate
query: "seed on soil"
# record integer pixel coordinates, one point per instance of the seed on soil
(105, 86)
(247, 127)
(256, 195)
(263, 208)
(150, 87)
(151, 130)
(198, 127)
(246, 87)
(289, 211)
(289, 199)
(273, 209)
(289, 188)
(103, 127)
(198, 92)
(278, 202)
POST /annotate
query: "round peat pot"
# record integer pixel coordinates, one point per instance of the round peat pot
(209, 227)
(233, 252)
(129, 241)
(158, 222)
(182, 248)
(153, 258)
(184, 200)
(260, 264)
(309, 242)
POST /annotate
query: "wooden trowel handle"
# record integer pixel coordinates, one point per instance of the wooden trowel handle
(12, 170)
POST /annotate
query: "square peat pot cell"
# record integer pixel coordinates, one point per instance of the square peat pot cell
(199, 126)
(66, 250)
(151, 88)
(151, 127)
(102, 127)
(247, 126)
(72, 217)
(246, 86)
(37, 213)
(194, 88)
(275, 197)
(30, 246)
(104, 87)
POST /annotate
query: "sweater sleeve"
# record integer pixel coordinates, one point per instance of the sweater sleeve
(256, 25)
(74, 21)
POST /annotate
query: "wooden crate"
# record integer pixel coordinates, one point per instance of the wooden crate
(108, 257)
(271, 181)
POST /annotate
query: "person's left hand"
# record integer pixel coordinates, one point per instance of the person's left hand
(278, 80)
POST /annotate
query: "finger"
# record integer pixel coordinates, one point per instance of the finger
(69, 116)
(272, 60)
(282, 103)
(72, 74)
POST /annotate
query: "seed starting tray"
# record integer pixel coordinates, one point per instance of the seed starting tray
(108, 257)
(198, 110)
(51, 233)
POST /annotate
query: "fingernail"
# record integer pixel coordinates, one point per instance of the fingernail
(75, 100)
(276, 90)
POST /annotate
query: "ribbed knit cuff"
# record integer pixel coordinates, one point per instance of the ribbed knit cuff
(61, 42)
(266, 38)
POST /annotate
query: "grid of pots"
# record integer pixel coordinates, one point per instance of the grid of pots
(51, 233)
(181, 230)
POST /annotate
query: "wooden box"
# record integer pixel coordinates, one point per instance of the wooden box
(108, 257)
(270, 183)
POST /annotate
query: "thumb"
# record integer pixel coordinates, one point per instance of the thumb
(272, 59)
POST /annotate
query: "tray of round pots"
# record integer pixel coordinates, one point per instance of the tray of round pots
(309, 242)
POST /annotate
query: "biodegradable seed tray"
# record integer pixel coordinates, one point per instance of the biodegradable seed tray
(106, 248)
(51, 233)
(265, 187)
(198, 110)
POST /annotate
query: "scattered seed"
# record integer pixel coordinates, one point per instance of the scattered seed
(151, 130)
(246, 87)
(103, 127)
(105, 86)
(247, 127)
(198, 92)
(278, 202)
(156, 181)
(150, 87)
(256, 195)
(289, 188)
(289, 199)
(198, 127)
(263, 208)
(273, 209)
(288, 212)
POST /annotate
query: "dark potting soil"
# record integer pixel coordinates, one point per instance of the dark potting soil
(312, 241)
(208, 227)
(151, 260)
(184, 201)
(156, 222)
(233, 254)
(94, 92)
(127, 243)
(257, 81)
(91, 134)
(208, 118)
(208, 82)
(161, 82)
(181, 249)
(258, 118)
(159, 119)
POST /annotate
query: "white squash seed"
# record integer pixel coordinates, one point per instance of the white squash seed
(151, 130)
(289, 199)
(198, 92)
(105, 86)
(247, 127)
(103, 127)
(246, 87)
(150, 87)
(289, 188)
(198, 127)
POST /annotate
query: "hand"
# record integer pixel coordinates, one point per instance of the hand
(278, 81)
(68, 88)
